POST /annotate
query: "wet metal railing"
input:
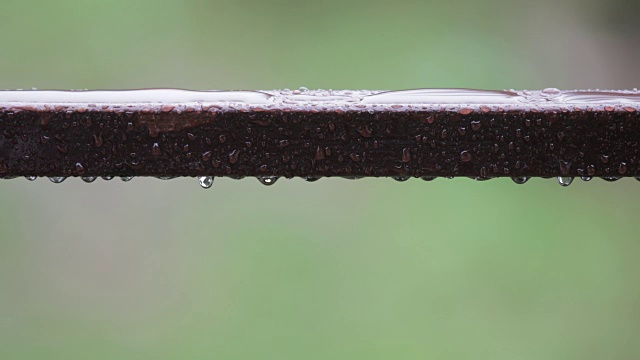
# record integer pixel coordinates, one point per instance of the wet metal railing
(424, 133)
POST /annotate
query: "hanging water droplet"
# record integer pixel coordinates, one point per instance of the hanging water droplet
(428, 178)
(520, 179)
(311, 178)
(165, 177)
(126, 178)
(30, 178)
(637, 178)
(88, 179)
(586, 178)
(480, 178)
(401, 178)
(107, 178)
(611, 178)
(565, 180)
(205, 181)
(268, 180)
(57, 179)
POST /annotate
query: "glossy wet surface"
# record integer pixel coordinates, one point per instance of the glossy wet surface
(167, 100)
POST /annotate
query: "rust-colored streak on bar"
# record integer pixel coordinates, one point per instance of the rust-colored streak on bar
(424, 132)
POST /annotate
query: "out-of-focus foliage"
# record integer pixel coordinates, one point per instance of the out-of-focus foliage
(336, 269)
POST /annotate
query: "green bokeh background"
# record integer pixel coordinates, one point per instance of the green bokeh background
(336, 269)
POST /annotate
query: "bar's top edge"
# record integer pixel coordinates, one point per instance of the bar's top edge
(322, 100)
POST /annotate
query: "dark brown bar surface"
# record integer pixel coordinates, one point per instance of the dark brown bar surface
(414, 133)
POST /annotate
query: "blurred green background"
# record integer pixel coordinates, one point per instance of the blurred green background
(336, 269)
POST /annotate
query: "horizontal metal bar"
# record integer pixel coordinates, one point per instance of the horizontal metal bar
(413, 133)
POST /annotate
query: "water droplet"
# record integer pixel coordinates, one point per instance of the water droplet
(364, 131)
(88, 179)
(165, 177)
(586, 178)
(565, 180)
(283, 143)
(565, 167)
(107, 178)
(465, 156)
(205, 181)
(401, 178)
(63, 148)
(126, 178)
(268, 180)
(428, 178)
(233, 156)
(520, 179)
(31, 178)
(406, 155)
(622, 168)
(551, 91)
(57, 179)
(637, 178)
(610, 178)
(98, 140)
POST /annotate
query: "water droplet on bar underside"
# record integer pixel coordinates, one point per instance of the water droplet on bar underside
(610, 178)
(207, 181)
(268, 180)
(401, 178)
(520, 179)
(565, 180)
(57, 179)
